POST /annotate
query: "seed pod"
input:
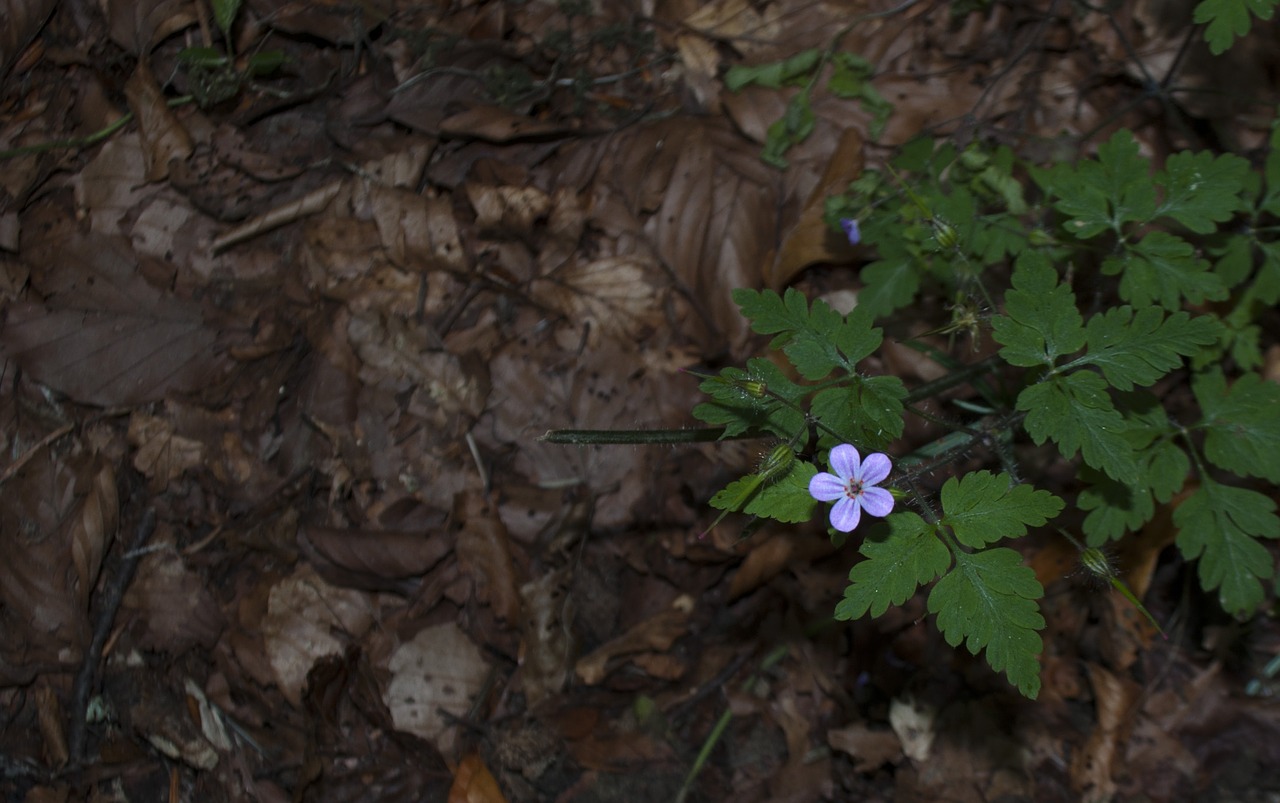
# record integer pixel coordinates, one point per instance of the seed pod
(777, 463)
(945, 233)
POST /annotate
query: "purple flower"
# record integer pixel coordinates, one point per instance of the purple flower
(852, 486)
(850, 226)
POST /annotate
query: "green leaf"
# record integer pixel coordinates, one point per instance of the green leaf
(889, 284)
(1041, 321)
(739, 412)
(983, 507)
(224, 13)
(206, 57)
(894, 567)
(1202, 190)
(788, 499)
(1220, 525)
(1163, 269)
(817, 341)
(795, 126)
(774, 75)
(1105, 193)
(1242, 424)
(868, 412)
(1116, 508)
(1229, 19)
(989, 600)
(1140, 349)
(1076, 413)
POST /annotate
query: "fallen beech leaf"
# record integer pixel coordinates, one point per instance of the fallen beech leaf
(162, 456)
(163, 137)
(374, 560)
(871, 749)
(438, 669)
(304, 618)
(762, 564)
(496, 124)
(616, 296)
(484, 555)
(547, 644)
(810, 241)
(655, 633)
(473, 783)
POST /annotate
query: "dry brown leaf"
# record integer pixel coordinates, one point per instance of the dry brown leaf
(417, 232)
(762, 564)
(162, 456)
(870, 749)
(173, 605)
(484, 555)
(57, 521)
(23, 19)
(374, 560)
(1093, 767)
(811, 240)
(547, 643)
(138, 25)
(163, 137)
(658, 632)
(473, 783)
(306, 620)
(509, 210)
(438, 669)
(615, 296)
(496, 124)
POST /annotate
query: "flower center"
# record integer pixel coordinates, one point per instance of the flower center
(853, 488)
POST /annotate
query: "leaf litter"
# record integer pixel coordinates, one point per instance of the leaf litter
(317, 327)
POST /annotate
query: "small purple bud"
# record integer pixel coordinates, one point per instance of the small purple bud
(850, 226)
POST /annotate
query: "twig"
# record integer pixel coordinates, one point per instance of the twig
(16, 465)
(109, 604)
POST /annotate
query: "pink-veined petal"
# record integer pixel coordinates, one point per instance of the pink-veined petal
(875, 468)
(826, 487)
(877, 501)
(845, 514)
(845, 461)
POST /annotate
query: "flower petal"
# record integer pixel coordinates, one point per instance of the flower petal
(877, 501)
(844, 461)
(850, 226)
(845, 514)
(875, 468)
(826, 487)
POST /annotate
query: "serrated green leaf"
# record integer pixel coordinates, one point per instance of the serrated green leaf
(889, 284)
(982, 508)
(794, 127)
(1105, 193)
(1041, 322)
(1164, 269)
(1075, 412)
(867, 412)
(1140, 349)
(1116, 508)
(1242, 424)
(817, 340)
(1220, 525)
(788, 499)
(1201, 190)
(1229, 19)
(910, 556)
(989, 601)
(739, 412)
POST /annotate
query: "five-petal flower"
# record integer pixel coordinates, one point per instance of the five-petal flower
(852, 486)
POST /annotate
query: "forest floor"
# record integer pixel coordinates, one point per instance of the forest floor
(279, 346)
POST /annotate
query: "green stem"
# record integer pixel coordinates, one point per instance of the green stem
(619, 437)
(83, 142)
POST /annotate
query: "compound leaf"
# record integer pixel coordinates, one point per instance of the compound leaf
(1242, 423)
(1075, 412)
(894, 567)
(1220, 525)
(1164, 269)
(1201, 190)
(1229, 19)
(1139, 349)
(817, 340)
(989, 600)
(1041, 321)
(983, 507)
